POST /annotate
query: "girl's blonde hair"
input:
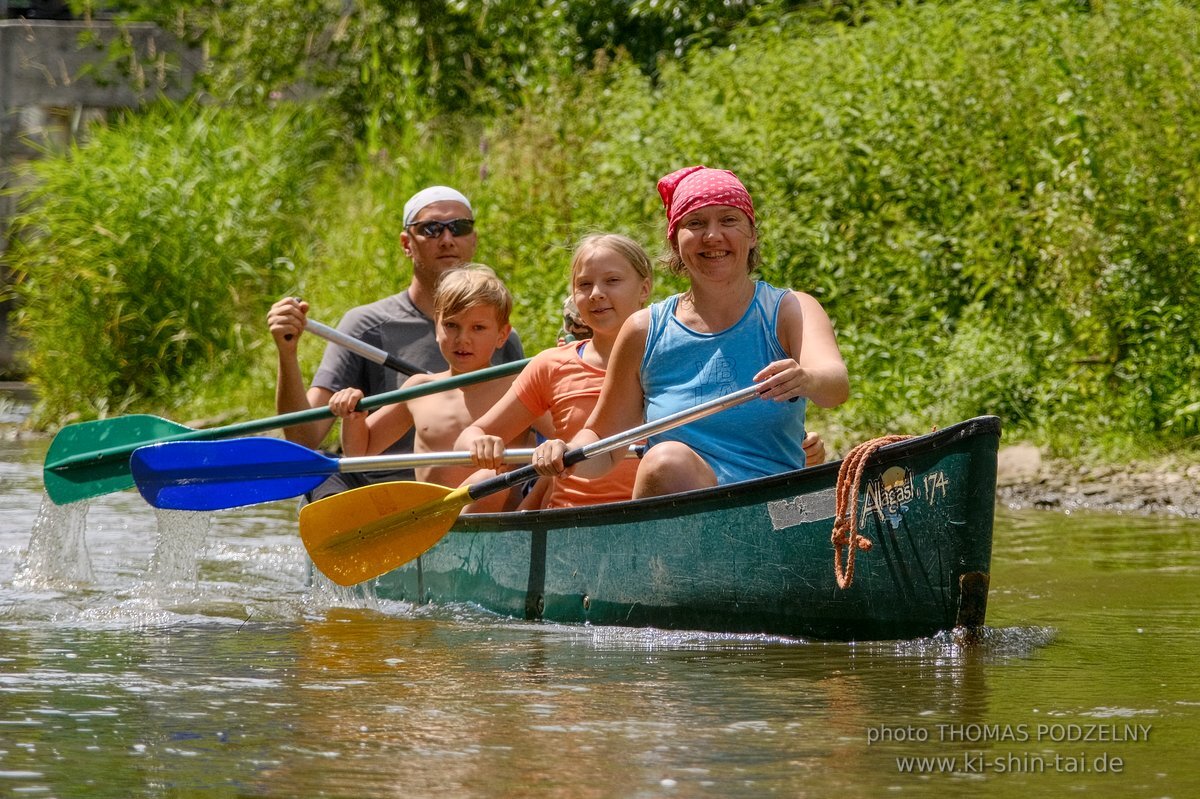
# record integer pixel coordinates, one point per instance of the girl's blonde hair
(470, 285)
(623, 246)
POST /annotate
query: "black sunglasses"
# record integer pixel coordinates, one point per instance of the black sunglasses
(433, 228)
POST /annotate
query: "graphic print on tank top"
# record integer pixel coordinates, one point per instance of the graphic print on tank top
(714, 378)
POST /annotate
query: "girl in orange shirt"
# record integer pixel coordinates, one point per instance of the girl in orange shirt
(611, 277)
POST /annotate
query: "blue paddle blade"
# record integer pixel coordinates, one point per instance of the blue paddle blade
(211, 475)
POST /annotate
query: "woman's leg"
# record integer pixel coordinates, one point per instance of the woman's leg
(671, 467)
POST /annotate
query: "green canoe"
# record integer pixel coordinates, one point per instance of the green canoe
(753, 557)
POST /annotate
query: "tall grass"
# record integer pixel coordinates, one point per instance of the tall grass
(145, 256)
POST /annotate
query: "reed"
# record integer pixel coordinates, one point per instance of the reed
(144, 256)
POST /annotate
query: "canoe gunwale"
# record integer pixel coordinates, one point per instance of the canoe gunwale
(570, 517)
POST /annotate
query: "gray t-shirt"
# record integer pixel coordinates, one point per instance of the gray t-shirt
(394, 325)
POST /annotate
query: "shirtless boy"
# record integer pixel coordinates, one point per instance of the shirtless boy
(471, 312)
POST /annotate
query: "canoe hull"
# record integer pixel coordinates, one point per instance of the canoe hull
(754, 557)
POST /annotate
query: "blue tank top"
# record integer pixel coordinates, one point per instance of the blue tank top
(682, 368)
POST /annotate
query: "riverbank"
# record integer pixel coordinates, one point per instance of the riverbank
(1165, 486)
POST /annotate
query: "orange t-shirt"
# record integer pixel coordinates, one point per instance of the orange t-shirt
(559, 381)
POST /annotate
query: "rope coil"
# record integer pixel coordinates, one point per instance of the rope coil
(845, 520)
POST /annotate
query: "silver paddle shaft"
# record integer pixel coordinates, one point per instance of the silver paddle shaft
(371, 353)
(376, 463)
(668, 422)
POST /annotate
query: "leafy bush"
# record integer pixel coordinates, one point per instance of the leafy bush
(145, 256)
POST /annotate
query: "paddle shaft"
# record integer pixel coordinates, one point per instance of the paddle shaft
(377, 463)
(373, 354)
(518, 476)
(296, 417)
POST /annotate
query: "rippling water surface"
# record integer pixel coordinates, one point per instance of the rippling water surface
(173, 654)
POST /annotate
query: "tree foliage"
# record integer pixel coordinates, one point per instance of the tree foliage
(388, 64)
(996, 202)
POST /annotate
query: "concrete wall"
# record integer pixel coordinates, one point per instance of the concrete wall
(56, 77)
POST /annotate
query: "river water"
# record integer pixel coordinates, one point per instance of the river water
(187, 655)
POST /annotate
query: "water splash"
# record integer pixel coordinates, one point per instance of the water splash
(58, 555)
(176, 558)
(325, 594)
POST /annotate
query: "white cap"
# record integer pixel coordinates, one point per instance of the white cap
(429, 196)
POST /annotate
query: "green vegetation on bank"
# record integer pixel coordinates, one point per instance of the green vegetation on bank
(144, 257)
(997, 203)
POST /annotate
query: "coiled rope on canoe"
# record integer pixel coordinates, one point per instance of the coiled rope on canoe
(845, 517)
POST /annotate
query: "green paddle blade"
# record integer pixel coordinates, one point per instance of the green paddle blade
(360, 534)
(74, 463)
(81, 481)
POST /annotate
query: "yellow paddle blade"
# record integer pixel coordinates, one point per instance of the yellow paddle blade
(360, 534)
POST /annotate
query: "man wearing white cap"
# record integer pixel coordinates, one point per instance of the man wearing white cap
(439, 235)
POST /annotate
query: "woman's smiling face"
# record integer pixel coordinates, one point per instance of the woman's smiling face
(716, 239)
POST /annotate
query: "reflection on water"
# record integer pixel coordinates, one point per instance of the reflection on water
(195, 654)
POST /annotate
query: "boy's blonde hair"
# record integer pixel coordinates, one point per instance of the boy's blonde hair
(623, 246)
(470, 285)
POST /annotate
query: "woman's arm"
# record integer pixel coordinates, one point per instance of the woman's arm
(622, 401)
(816, 370)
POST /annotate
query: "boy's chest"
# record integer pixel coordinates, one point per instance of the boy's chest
(440, 418)
(438, 421)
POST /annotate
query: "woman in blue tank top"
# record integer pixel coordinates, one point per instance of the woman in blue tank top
(727, 331)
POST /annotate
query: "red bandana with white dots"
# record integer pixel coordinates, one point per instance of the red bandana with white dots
(692, 187)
